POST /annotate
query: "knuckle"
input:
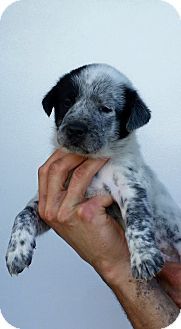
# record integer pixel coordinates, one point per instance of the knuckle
(57, 167)
(54, 167)
(42, 170)
(85, 212)
(81, 211)
(50, 215)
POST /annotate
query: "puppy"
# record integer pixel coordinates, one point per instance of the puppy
(97, 111)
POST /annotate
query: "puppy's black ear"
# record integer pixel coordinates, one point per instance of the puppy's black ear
(48, 101)
(139, 114)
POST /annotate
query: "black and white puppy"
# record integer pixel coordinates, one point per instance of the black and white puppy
(97, 111)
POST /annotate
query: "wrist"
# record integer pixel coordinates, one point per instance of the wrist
(115, 274)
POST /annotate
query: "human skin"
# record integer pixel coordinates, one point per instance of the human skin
(101, 242)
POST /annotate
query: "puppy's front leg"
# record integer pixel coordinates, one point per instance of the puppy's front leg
(26, 227)
(146, 258)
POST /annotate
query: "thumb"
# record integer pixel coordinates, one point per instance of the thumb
(95, 205)
(102, 200)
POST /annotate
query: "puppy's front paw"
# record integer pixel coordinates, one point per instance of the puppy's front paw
(20, 251)
(147, 265)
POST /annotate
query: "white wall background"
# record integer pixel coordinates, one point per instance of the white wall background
(39, 41)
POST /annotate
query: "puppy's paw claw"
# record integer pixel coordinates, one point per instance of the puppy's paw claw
(146, 266)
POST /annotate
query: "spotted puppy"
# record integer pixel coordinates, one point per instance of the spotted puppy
(97, 111)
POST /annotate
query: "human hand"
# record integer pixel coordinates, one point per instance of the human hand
(84, 224)
(170, 279)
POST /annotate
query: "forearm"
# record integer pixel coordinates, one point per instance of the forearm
(145, 303)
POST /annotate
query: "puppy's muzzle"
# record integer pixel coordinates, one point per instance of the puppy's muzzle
(75, 130)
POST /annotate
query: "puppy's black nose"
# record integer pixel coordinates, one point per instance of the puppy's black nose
(76, 129)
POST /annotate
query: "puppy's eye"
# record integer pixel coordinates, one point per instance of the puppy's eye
(68, 102)
(105, 109)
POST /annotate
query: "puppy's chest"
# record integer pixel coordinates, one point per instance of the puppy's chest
(110, 180)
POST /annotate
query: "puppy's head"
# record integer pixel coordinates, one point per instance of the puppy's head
(95, 106)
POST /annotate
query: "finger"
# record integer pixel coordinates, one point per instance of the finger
(58, 154)
(43, 177)
(90, 208)
(103, 201)
(81, 179)
(171, 272)
(57, 176)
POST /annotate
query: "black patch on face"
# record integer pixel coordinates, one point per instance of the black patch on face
(62, 96)
(67, 92)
